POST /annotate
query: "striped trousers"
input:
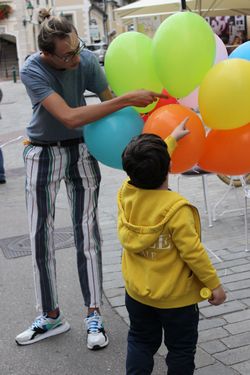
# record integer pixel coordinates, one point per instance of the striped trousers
(46, 167)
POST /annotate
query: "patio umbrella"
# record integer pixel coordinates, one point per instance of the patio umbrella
(146, 8)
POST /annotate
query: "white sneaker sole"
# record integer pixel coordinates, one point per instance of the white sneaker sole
(97, 347)
(53, 332)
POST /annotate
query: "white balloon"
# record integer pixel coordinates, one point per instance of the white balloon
(191, 100)
(221, 51)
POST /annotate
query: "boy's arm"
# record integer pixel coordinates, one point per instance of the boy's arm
(187, 241)
(171, 143)
(178, 133)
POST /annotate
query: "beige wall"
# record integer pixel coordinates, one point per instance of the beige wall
(79, 10)
(26, 36)
(99, 20)
(14, 29)
(72, 3)
(114, 22)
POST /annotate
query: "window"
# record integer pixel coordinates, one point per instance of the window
(69, 17)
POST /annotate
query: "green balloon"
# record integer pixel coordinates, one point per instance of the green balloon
(184, 50)
(129, 65)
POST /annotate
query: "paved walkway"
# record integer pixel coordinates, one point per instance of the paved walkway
(224, 340)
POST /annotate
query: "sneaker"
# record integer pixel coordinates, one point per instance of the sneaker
(42, 328)
(97, 337)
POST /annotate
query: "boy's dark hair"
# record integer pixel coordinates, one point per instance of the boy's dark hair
(146, 161)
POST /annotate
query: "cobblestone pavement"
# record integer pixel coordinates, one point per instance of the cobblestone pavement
(224, 331)
(224, 337)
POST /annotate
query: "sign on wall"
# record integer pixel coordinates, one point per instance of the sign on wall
(231, 29)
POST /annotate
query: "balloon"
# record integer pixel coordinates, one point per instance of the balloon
(224, 95)
(129, 65)
(183, 51)
(107, 137)
(227, 151)
(241, 52)
(164, 120)
(161, 102)
(144, 116)
(191, 101)
(221, 51)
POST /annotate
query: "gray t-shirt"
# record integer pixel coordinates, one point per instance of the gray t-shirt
(41, 80)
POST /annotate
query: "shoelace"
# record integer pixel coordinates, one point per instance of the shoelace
(39, 322)
(94, 323)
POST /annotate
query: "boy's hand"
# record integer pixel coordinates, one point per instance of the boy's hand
(218, 296)
(180, 131)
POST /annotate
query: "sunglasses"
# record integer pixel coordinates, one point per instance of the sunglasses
(67, 58)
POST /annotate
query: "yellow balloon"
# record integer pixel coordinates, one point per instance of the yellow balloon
(224, 95)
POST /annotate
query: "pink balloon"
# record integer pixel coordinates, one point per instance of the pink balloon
(221, 51)
(191, 101)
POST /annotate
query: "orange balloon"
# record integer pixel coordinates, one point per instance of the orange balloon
(164, 120)
(161, 102)
(227, 151)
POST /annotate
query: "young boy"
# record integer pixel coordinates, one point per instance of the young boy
(164, 263)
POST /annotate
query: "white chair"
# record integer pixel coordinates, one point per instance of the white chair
(197, 172)
(231, 187)
(246, 189)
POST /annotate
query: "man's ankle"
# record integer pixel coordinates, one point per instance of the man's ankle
(93, 309)
(53, 313)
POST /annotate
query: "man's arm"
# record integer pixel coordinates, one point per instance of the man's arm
(106, 95)
(75, 117)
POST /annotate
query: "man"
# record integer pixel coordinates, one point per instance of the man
(55, 80)
(2, 171)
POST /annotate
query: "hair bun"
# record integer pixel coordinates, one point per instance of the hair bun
(43, 14)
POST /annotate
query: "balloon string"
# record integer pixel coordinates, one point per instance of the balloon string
(11, 141)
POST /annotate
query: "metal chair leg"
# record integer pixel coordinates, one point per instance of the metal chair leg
(229, 188)
(246, 226)
(207, 205)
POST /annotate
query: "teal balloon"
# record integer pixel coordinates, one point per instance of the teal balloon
(241, 52)
(107, 138)
(184, 51)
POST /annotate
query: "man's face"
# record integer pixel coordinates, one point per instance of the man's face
(67, 50)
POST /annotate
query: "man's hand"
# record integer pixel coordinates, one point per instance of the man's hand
(218, 296)
(180, 131)
(142, 98)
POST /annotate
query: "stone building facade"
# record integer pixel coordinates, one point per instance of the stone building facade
(18, 32)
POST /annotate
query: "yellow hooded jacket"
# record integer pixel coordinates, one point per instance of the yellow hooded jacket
(164, 263)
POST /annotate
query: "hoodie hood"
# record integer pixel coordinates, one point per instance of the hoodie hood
(152, 211)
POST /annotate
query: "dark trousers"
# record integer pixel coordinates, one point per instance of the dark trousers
(2, 171)
(180, 327)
